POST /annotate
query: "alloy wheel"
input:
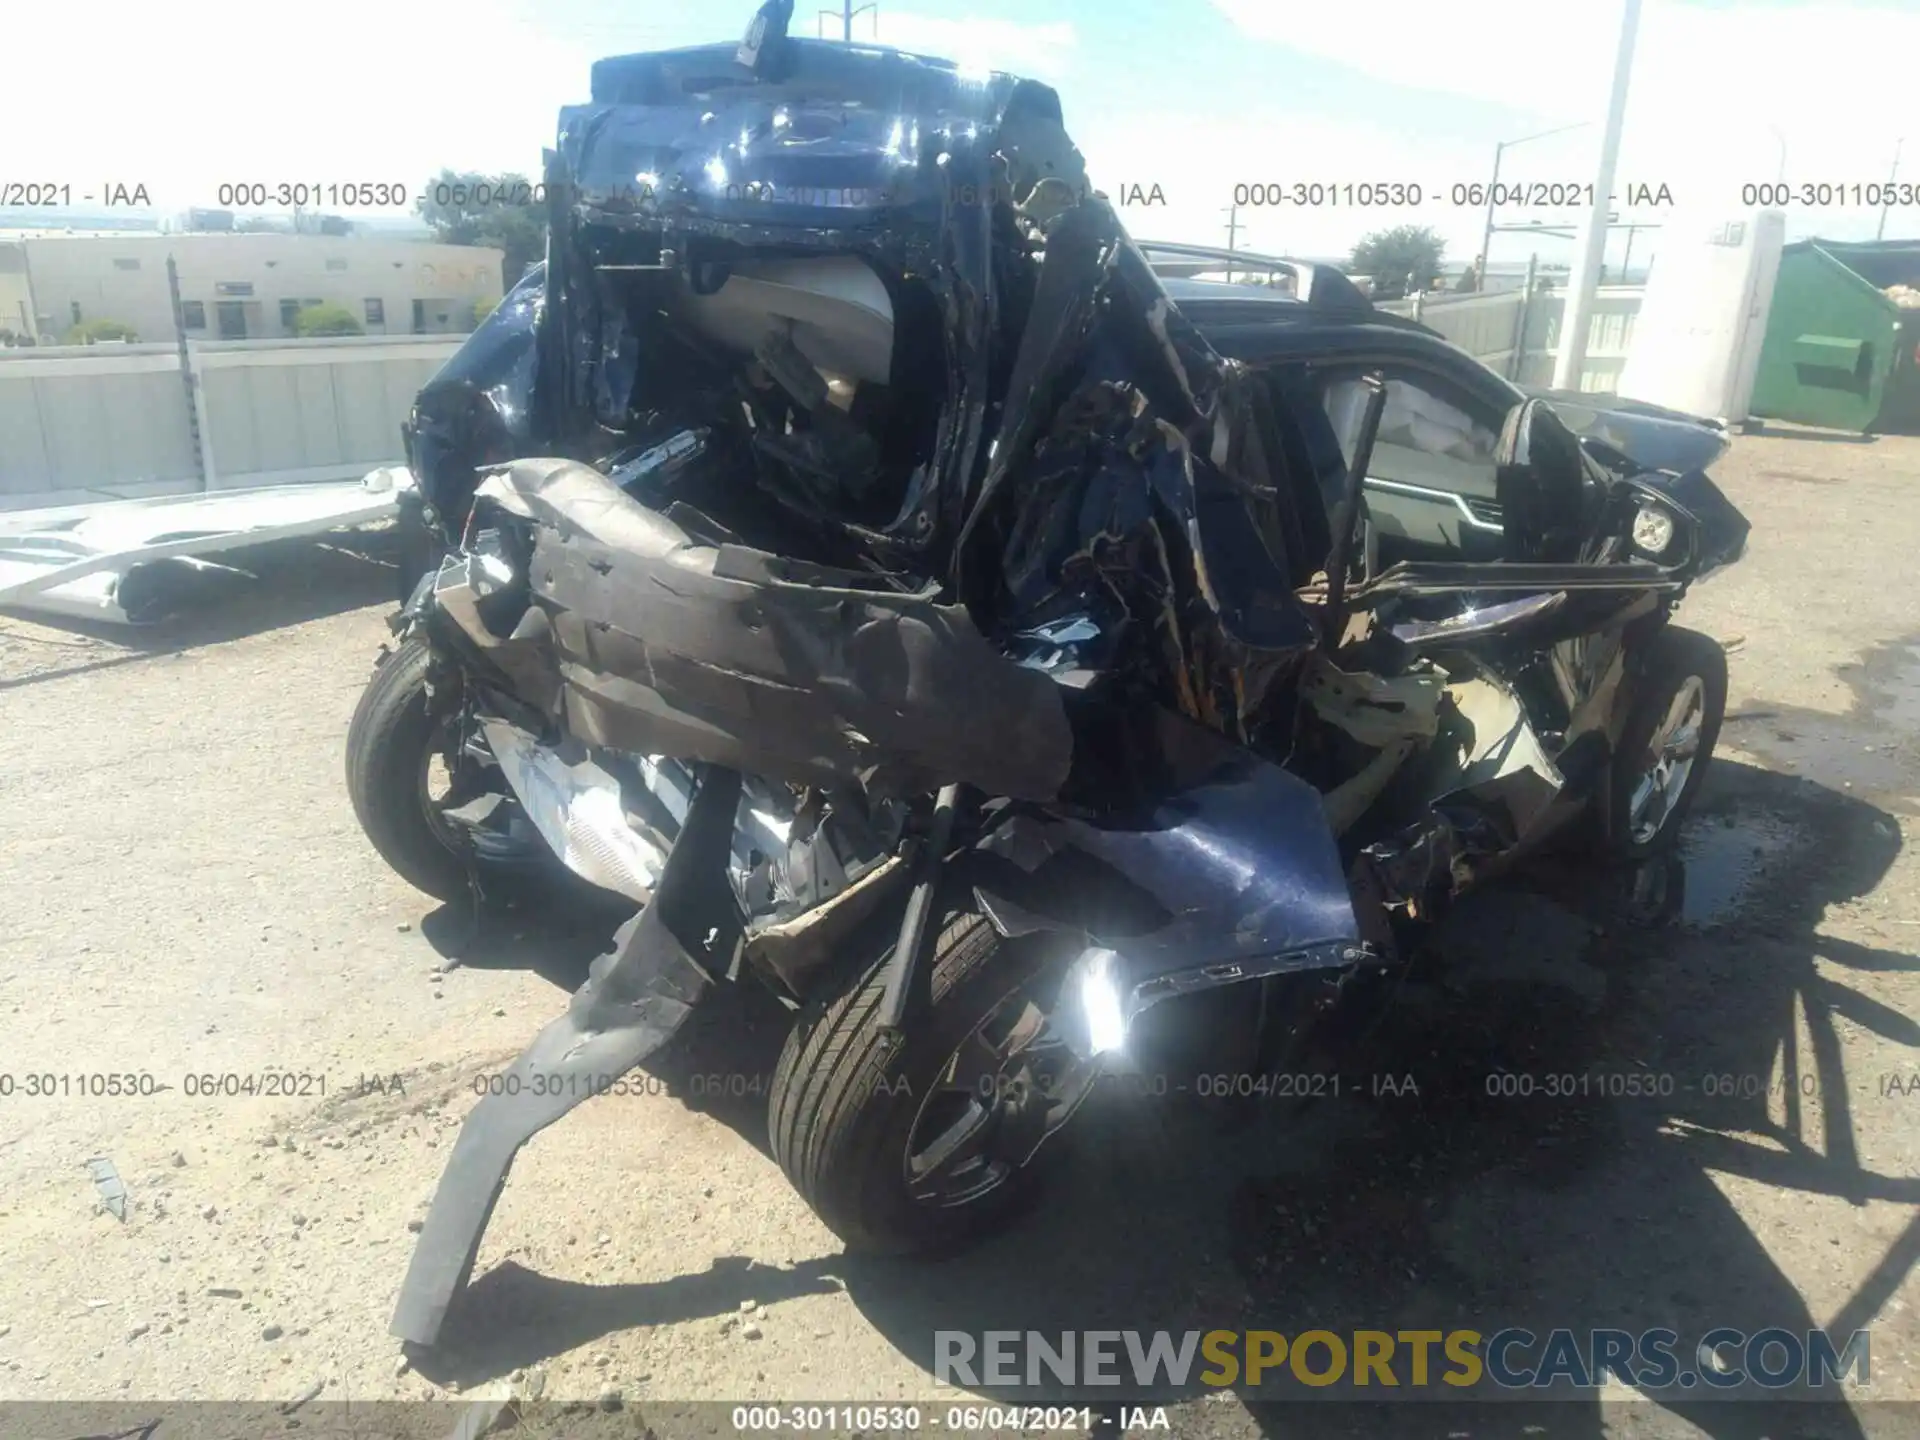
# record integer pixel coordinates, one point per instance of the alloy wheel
(1671, 752)
(1007, 1087)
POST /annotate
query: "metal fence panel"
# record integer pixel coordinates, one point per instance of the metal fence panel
(310, 410)
(1484, 326)
(1481, 325)
(105, 420)
(74, 420)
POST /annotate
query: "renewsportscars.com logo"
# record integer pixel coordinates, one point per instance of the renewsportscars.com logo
(1510, 1359)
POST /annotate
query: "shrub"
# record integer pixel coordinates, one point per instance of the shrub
(328, 319)
(87, 332)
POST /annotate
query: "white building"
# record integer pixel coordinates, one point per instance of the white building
(240, 287)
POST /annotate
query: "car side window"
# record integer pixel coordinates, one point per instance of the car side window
(1425, 437)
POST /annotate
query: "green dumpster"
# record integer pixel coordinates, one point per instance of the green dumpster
(1839, 352)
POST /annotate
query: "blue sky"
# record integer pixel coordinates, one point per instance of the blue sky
(1196, 96)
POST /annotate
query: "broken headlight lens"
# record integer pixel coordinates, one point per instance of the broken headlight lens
(1652, 531)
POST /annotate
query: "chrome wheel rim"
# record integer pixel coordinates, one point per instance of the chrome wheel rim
(1007, 1087)
(1671, 752)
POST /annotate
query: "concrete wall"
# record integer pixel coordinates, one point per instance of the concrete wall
(124, 277)
(88, 422)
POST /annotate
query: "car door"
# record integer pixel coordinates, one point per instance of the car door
(1431, 488)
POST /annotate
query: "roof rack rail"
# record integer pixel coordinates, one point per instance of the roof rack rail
(1321, 286)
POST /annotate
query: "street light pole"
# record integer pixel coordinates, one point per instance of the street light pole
(1887, 198)
(1486, 235)
(1493, 187)
(1581, 284)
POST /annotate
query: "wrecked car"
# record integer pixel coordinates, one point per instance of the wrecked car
(854, 554)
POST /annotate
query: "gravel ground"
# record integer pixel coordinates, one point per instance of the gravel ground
(188, 895)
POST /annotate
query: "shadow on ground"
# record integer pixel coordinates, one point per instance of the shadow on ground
(737, 1029)
(296, 581)
(555, 939)
(1780, 430)
(1446, 1186)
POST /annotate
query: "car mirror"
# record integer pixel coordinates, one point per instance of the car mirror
(1540, 481)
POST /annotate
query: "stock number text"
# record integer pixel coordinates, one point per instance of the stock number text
(1315, 194)
(1873, 193)
(303, 194)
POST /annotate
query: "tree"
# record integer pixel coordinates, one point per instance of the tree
(1405, 257)
(89, 332)
(469, 208)
(326, 319)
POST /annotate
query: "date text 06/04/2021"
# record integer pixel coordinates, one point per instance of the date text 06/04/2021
(965, 1419)
(271, 1083)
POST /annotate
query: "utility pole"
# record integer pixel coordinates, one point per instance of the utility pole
(1493, 194)
(1233, 233)
(187, 378)
(846, 12)
(1887, 199)
(1593, 239)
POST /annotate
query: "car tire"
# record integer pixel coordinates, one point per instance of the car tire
(847, 1095)
(1667, 742)
(393, 731)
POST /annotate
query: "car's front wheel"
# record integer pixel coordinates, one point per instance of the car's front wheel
(1669, 738)
(918, 1141)
(405, 770)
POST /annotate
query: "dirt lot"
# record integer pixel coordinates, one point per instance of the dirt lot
(188, 895)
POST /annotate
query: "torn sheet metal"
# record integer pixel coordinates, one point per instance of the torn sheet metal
(1374, 709)
(1130, 466)
(1214, 867)
(790, 671)
(125, 560)
(639, 994)
(1502, 762)
(1394, 716)
(1493, 785)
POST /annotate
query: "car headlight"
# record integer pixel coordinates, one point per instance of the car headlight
(1100, 995)
(1093, 1004)
(1652, 531)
